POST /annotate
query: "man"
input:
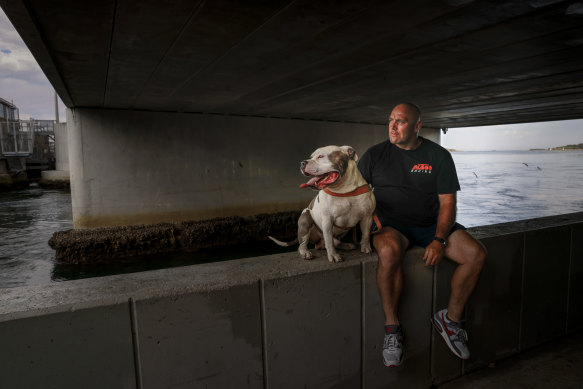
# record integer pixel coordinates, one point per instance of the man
(415, 185)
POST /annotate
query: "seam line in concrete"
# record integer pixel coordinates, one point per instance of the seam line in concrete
(431, 331)
(571, 236)
(263, 333)
(362, 325)
(115, 5)
(522, 286)
(136, 343)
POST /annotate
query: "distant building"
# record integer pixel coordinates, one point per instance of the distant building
(26, 147)
(13, 140)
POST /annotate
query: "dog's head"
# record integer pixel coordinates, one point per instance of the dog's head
(326, 165)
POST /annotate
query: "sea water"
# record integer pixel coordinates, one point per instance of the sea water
(496, 187)
(499, 187)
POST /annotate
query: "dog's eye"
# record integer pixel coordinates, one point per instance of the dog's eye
(320, 156)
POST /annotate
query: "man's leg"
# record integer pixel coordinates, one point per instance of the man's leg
(470, 255)
(390, 246)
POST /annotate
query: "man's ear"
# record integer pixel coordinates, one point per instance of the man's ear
(418, 127)
(351, 153)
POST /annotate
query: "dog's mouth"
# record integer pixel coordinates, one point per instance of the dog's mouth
(321, 181)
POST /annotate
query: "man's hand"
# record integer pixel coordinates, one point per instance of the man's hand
(433, 253)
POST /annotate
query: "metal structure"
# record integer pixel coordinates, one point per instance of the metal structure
(17, 136)
(14, 140)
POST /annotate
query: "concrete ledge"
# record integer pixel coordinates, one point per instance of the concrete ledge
(114, 243)
(279, 321)
(55, 179)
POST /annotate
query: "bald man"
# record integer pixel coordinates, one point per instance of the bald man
(415, 185)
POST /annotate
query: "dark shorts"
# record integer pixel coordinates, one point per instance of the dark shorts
(417, 236)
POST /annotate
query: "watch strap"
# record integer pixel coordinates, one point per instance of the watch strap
(441, 240)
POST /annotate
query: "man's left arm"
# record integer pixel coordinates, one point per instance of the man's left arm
(445, 221)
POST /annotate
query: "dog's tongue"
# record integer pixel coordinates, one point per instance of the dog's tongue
(320, 182)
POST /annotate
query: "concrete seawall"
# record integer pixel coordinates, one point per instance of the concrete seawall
(280, 322)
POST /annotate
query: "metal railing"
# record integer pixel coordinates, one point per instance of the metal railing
(14, 141)
(17, 137)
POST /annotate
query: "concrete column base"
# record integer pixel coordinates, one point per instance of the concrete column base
(55, 179)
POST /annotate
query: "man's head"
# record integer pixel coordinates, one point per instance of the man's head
(404, 125)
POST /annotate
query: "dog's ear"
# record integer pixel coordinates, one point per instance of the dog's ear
(351, 153)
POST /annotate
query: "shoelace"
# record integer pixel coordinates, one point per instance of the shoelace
(391, 342)
(461, 336)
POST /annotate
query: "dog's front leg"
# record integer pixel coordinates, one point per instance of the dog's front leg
(305, 224)
(365, 225)
(327, 227)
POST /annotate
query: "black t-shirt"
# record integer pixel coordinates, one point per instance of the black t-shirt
(407, 182)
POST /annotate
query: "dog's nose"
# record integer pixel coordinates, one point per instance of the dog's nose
(303, 164)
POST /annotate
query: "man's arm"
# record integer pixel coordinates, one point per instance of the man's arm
(445, 220)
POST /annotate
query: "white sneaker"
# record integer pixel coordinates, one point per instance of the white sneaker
(454, 335)
(393, 349)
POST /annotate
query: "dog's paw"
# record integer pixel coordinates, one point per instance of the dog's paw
(306, 254)
(334, 258)
(365, 249)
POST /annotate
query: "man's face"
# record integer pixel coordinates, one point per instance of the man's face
(403, 126)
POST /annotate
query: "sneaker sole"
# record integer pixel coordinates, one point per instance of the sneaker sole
(392, 363)
(441, 331)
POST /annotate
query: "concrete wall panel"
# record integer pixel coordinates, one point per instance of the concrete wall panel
(89, 348)
(493, 311)
(575, 315)
(445, 365)
(546, 277)
(202, 340)
(313, 329)
(61, 147)
(414, 312)
(278, 322)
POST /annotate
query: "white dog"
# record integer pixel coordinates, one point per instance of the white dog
(344, 200)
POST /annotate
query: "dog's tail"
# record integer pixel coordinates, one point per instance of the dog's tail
(284, 244)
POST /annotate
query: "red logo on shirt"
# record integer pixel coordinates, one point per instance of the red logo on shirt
(422, 168)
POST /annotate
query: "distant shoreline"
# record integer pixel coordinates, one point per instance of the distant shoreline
(559, 148)
(562, 148)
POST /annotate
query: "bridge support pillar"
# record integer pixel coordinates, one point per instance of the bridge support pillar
(137, 167)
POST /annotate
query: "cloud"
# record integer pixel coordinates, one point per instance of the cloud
(517, 133)
(21, 78)
(16, 61)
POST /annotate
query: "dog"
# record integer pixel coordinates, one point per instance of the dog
(343, 201)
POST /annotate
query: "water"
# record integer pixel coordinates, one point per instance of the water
(28, 219)
(496, 187)
(499, 187)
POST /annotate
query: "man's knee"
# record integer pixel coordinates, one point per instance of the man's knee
(478, 256)
(389, 250)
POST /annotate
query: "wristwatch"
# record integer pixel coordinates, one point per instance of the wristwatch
(441, 240)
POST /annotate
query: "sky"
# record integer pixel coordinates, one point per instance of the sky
(23, 82)
(514, 136)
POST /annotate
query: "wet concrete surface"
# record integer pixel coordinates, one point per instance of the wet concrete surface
(556, 364)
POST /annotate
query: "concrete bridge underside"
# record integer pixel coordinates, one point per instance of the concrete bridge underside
(188, 110)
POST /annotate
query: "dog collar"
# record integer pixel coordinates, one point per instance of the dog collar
(358, 191)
